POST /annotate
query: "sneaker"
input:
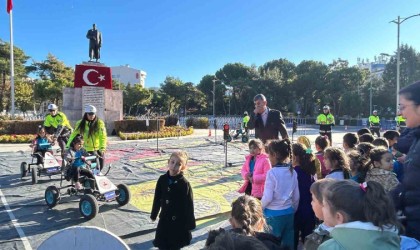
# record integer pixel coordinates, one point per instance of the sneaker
(77, 185)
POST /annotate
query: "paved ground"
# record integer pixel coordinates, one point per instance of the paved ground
(25, 220)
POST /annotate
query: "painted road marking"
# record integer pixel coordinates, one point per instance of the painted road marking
(15, 223)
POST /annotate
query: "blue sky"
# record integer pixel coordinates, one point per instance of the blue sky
(191, 38)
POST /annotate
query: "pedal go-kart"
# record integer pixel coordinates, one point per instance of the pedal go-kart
(98, 189)
(43, 163)
(234, 134)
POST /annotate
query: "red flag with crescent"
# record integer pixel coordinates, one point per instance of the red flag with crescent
(9, 6)
(94, 76)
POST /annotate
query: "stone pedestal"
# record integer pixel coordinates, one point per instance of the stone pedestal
(92, 86)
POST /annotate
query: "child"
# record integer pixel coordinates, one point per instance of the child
(381, 142)
(350, 141)
(247, 219)
(174, 198)
(363, 217)
(321, 142)
(366, 138)
(281, 192)
(304, 164)
(41, 145)
(75, 157)
(322, 232)
(255, 170)
(392, 136)
(380, 166)
(305, 141)
(363, 131)
(337, 161)
(364, 148)
(357, 166)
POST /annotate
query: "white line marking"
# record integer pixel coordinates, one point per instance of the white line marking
(15, 223)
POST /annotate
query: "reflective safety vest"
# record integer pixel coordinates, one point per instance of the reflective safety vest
(400, 120)
(374, 120)
(245, 121)
(325, 119)
(55, 121)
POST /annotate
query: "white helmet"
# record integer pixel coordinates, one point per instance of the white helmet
(52, 106)
(375, 111)
(90, 109)
(326, 107)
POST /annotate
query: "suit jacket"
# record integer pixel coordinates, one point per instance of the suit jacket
(273, 126)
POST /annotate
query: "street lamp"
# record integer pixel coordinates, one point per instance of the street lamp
(228, 93)
(399, 21)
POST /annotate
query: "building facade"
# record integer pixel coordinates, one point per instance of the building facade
(127, 75)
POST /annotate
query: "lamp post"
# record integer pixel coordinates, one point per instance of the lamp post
(229, 91)
(214, 97)
(399, 21)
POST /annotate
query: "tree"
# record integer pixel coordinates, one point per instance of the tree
(174, 89)
(409, 73)
(20, 71)
(135, 97)
(54, 76)
(24, 96)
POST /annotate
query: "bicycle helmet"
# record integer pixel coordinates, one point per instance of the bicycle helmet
(90, 109)
(52, 106)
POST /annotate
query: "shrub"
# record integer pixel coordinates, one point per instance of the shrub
(173, 131)
(17, 138)
(171, 120)
(129, 126)
(200, 122)
(19, 127)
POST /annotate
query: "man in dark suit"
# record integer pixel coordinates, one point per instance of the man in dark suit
(95, 43)
(267, 122)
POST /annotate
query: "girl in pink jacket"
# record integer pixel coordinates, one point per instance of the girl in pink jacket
(255, 169)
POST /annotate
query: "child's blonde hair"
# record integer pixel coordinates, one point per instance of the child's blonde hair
(304, 140)
(182, 156)
(247, 212)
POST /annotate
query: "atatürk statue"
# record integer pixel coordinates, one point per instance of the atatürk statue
(95, 43)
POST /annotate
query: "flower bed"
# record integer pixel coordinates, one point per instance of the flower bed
(17, 138)
(164, 132)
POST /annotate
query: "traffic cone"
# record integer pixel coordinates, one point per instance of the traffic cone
(209, 132)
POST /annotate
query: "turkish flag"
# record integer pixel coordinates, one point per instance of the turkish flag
(9, 6)
(94, 76)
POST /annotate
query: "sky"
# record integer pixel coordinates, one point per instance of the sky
(189, 39)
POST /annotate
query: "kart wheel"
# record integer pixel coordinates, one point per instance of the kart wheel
(88, 206)
(244, 139)
(52, 196)
(124, 194)
(34, 172)
(23, 169)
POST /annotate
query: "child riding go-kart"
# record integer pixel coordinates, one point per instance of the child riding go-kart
(43, 161)
(240, 131)
(94, 187)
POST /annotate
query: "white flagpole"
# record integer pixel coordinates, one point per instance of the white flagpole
(12, 67)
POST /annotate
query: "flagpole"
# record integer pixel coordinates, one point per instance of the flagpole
(12, 67)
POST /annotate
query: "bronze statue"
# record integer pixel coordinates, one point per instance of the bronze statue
(95, 43)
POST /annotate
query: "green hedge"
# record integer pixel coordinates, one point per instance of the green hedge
(200, 122)
(15, 127)
(129, 126)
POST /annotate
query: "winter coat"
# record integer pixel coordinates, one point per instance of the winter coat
(315, 239)
(408, 192)
(261, 167)
(174, 199)
(361, 235)
(387, 179)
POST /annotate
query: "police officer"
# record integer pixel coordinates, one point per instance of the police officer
(94, 133)
(57, 124)
(400, 122)
(325, 121)
(375, 123)
(245, 121)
